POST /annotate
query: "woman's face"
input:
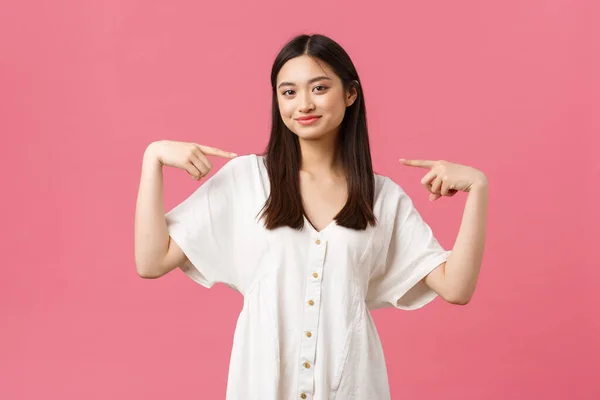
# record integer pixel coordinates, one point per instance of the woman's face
(306, 88)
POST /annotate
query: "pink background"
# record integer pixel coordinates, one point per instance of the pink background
(509, 87)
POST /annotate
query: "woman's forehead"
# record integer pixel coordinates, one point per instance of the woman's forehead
(300, 70)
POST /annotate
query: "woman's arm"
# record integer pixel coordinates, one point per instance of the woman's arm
(455, 280)
(155, 252)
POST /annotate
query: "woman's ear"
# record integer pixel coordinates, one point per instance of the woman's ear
(352, 93)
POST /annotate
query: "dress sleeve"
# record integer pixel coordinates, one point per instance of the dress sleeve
(203, 226)
(410, 252)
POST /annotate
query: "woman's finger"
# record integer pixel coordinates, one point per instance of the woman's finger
(192, 170)
(418, 163)
(212, 151)
(200, 163)
(446, 188)
(426, 180)
(434, 196)
(205, 161)
(436, 185)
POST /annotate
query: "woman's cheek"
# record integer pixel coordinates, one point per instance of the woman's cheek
(286, 112)
(287, 115)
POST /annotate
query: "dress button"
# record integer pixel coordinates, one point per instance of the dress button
(303, 396)
(308, 334)
(311, 303)
(317, 241)
(306, 365)
(315, 275)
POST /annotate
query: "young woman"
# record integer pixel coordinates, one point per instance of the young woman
(309, 235)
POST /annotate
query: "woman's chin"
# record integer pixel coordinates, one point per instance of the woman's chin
(311, 134)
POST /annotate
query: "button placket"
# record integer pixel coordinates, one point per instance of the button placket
(308, 346)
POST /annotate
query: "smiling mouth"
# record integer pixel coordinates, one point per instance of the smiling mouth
(308, 121)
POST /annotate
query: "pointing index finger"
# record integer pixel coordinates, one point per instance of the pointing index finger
(418, 163)
(212, 151)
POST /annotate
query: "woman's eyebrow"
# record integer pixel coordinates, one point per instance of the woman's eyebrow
(318, 78)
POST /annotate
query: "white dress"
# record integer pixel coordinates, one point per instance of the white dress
(305, 331)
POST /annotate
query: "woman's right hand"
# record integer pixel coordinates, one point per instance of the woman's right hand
(190, 157)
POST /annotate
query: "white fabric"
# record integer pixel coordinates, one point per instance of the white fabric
(218, 229)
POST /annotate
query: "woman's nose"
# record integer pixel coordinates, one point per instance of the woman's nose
(306, 103)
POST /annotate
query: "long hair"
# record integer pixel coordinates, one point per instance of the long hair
(283, 158)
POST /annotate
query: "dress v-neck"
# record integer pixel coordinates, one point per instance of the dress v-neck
(312, 227)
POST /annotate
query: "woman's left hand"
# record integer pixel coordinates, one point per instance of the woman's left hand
(446, 178)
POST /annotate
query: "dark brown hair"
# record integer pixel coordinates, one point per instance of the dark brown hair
(282, 155)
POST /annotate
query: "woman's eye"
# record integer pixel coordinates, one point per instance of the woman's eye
(292, 92)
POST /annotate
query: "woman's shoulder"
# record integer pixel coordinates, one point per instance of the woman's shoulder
(385, 188)
(247, 174)
(242, 161)
(391, 197)
(243, 165)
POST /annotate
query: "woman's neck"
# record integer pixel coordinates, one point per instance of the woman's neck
(321, 156)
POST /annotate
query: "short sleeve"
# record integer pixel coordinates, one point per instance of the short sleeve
(410, 253)
(204, 226)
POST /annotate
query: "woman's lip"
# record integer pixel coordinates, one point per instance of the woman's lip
(307, 121)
